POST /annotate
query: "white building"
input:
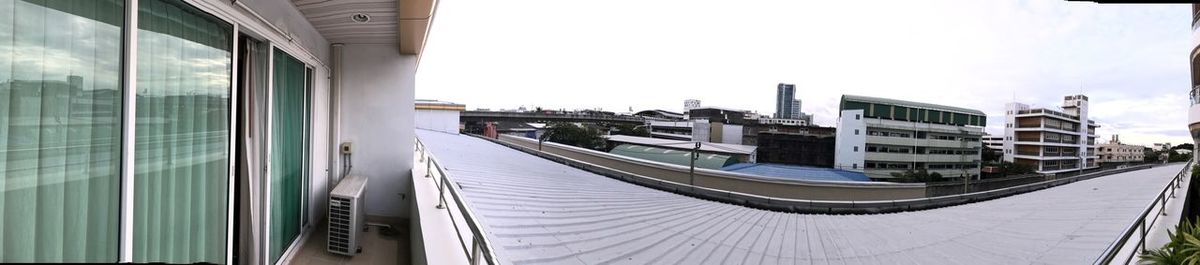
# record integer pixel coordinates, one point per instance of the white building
(879, 137)
(1051, 141)
(1116, 152)
(438, 115)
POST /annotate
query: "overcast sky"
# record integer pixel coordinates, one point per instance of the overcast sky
(1131, 60)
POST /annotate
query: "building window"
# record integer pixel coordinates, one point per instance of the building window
(857, 116)
(856, 148)
(855, 131)
(855, 166)
(184, 84)
(62, 99)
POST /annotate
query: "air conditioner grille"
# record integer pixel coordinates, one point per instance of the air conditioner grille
(339, 221)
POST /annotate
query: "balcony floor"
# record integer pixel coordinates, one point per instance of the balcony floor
(376, 249)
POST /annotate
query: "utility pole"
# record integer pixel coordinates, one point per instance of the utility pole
(692, 169)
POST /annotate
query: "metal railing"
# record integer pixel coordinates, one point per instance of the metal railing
(1139, 226)
(480, 249)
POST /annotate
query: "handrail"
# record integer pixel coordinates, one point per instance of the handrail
(480, 245)
(1114, 249)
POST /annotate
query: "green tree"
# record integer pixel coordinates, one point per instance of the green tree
(917, 176)
(574, 135)
(631, 130)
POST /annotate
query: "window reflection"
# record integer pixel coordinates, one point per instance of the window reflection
(182, 166)
(60, 121)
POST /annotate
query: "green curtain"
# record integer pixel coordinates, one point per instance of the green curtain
(182, 134)
(287, 148)
(60, 107)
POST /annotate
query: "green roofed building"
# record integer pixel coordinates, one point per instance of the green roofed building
(879, 136)
(706, 160)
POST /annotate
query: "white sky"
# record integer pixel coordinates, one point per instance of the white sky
(1131, 60)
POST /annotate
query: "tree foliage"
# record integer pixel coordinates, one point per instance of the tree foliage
(575, 135)
(631, 130)
(917, 176)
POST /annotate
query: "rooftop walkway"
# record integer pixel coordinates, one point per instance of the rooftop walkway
(540, 212)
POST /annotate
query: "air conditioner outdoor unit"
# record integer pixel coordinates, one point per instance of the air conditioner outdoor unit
(346, 215)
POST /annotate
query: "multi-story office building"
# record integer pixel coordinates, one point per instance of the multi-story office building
(880, 136)
(200, 131)
(1051, 141)
(994, 145)
(795, 144)
(1114, 152)
(993, 142)
(785, 101)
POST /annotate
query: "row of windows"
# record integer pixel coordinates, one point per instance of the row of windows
(882, 165)
(885, 111)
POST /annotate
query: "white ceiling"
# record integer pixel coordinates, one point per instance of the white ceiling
(401, 22)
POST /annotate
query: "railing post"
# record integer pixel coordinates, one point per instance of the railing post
(1163, 198)
(428, 169)
(442, 194)
(1142, 240)
(475, 251)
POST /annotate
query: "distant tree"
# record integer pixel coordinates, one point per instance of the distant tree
(1173, 156)
(1187, 146)
(989, 154)
(575, 135)
(917, 176)
(626, 129)
(1009, 168)
(1149, 155)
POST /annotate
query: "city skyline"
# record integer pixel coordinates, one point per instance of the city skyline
(958, 53)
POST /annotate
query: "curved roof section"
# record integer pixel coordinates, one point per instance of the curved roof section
(709, 161)
(797, 172)
(684, 145)
(536, 211)
(912, 104)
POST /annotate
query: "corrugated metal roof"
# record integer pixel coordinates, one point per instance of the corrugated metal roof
(688, 145)
(540, 212)
(797, 172)
(705, 160)
(911, 104)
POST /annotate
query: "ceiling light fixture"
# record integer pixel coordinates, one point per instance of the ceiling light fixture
(360, 18)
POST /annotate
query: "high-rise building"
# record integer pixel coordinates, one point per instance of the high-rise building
(785, 101)
(880, 136)
(1051, 141)
(795, 114)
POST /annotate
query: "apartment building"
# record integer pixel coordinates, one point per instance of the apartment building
(1115, 152)
(879, 136)
(1051, 141)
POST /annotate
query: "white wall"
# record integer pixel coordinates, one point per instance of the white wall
(437, 120)
(283, 14)
(731, 134)
(700, 130)
(844, 155)
(376, 108)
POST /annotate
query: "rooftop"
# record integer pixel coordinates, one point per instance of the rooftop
(537, 211)
(685, 145)
(797, 172)
(911, 104)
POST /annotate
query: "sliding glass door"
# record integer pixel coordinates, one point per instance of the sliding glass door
(287, 165)
(184, 78)
(60, 130)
